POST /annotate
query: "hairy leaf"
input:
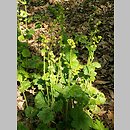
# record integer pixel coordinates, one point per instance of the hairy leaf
(26, 53)
(46, 115)
(39, 101)
(81, 121)
(98, 125)
(30, 112)
(24, 85)
(21, 126)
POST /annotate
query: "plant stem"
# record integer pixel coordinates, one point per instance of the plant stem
(44, 57)
(47, 95)
(69, 78)
(25, 99)
(58, 73)
(44, 72)
(66, 113)
(52, 94)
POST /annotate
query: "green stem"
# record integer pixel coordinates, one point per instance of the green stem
(44, 71)
(66, 113)
(58, 73)
(53, 98)
(25, 99)
(69, 78)
(47, 95)
(44, 64)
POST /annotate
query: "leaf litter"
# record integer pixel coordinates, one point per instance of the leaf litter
(77, 17)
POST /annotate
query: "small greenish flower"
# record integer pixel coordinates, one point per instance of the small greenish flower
(71, 43)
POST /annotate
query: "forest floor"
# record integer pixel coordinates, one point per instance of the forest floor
(77, 16)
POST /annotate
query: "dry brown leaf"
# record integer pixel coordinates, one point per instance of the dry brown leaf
(18, 93)
(19, 118)
(101, 113)
(110, 115)
(111, 93)
(20, 101)
(101, 82)
(32, 91)
(54, 1)
(45, 26)
(20, 105)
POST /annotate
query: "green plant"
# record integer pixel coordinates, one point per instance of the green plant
(65, 96)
